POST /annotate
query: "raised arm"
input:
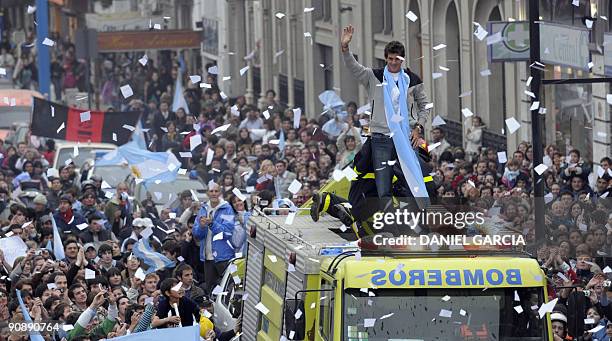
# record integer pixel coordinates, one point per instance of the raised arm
(362, 73)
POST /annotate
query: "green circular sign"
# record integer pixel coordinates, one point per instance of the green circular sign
(514, 37)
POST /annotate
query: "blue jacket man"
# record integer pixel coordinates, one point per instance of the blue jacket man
(214, 227)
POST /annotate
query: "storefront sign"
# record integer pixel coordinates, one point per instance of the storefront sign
(513, 44)
(564, 45)
(119, 21)
(148, 40)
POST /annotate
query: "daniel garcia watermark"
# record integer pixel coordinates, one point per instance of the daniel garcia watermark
(459, 220)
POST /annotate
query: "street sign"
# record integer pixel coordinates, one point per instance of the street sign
(608, 54)
(564, 45)
(514, 44)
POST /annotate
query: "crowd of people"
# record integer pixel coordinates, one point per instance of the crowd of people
(98, 288)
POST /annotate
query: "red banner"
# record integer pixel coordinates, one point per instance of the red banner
(148, 40)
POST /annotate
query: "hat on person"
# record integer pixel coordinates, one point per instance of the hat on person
(96, 177)
(88, 184)
(558, 317)
(45, 219)
(138, 222)
(67, 198)
(148, 222)
(89, 246)
(40, 199)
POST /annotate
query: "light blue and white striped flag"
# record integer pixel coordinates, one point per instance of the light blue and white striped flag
(155, 260)
(191, 333)
(26, 317)
(58, 246)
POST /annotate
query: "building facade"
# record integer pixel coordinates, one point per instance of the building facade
(297, 53)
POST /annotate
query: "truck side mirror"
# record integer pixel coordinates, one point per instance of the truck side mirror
(297, 325)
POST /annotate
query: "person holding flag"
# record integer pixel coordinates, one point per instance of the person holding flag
(393, 130)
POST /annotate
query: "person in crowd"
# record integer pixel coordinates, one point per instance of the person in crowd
(474, 137)
(214, 226)
(66, 219)
(174, 309)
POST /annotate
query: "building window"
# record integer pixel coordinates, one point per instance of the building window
(382, 16)
(326, 58)
(387, 17)
(327, 10)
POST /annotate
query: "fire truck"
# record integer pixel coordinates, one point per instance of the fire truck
(304, 281)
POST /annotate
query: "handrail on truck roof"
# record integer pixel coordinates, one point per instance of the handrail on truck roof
(278, 226)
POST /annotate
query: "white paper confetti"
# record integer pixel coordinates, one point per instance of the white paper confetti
(297, 115)
(494, 38)
(480, 32)
(467, 112)
(439, 47)
(501, 157)
(31, 9)
(411, 16)
(62, 126)
(209, 156)
(436, 75)
(547, 307)
(244, 70)
(438, 121)
(308, 9)
(280, 15)
(433, 146)
(194, 141)
(596, 329)
(519, 309)
(126, 91)
(48, 42)
(512, 124)
(177, 287)
(446, 313)
(239, 194)
(295, 186)
(548, 198)
(221, 128)
(89, 274)
(541, 168)
(195, 78)
(368, 323)
(534, 106)
(85, 116)
(143, 60)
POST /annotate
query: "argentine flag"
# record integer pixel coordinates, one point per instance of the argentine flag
(155, 260)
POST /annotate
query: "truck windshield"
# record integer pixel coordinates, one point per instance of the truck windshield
(443, 314)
